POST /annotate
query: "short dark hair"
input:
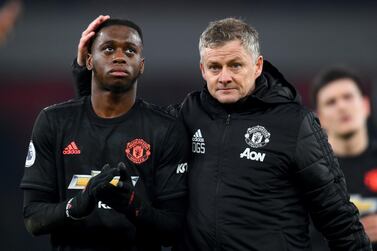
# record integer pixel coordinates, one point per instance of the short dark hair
(329, 75)
(111, 22)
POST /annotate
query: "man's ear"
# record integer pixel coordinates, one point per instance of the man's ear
(367, 107)
(89, 62)
(142, 66)
(259, 66)
(203, 71)
(320, 117)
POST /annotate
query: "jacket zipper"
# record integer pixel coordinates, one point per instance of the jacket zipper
(221, 156)
(228, 120)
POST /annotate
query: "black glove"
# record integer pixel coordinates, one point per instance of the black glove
(124, 197)
(83, 203)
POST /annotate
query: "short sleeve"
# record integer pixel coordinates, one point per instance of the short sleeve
(40, 172)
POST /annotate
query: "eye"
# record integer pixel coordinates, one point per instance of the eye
(330, 102)
(108, 49)
(214, 67)
(348, 97)
(236, 65)
(130, 50)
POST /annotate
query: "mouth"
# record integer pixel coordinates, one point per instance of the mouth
(119, 72)
(345, 119)
(225, 89)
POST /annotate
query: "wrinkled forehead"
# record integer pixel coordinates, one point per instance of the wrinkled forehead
(227, 50)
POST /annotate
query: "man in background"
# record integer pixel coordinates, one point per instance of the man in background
(343, 109)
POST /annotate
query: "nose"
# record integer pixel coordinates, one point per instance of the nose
(119, 57)
(343, 104)
(225, 76)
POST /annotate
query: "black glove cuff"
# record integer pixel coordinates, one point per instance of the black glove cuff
(68, 208)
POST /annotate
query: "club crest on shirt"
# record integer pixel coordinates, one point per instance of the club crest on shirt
(257, 136)
(138, 151)
(31, 154)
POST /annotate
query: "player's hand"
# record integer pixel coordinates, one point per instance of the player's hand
(82, 49)
(83, 204)
(9, 13)
(124, 197)
(370, 225)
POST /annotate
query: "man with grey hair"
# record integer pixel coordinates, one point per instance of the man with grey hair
(260, 162)
(263, 164)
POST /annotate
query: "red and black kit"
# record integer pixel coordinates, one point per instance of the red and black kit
(70, 144)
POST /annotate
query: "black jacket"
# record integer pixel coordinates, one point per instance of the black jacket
(258, 169)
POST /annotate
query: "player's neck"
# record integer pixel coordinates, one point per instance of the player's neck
(107, 104)
(350, 146)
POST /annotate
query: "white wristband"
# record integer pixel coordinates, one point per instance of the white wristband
(67, 207)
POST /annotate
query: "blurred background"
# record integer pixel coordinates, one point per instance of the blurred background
(39, 40)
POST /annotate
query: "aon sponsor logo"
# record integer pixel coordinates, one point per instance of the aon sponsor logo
(252, 155)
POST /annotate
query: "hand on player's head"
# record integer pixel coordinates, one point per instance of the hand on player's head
(82, 50)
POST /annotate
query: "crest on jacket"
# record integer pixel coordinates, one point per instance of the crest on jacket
(257, 136)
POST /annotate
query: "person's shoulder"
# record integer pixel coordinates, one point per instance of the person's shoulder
(294, 117)
(68, 105)
(192, 99)
(293, 111)
(156, 112)
(305, 119)
(305, 115)
(59, 113)
(192, 96)
(301, 110)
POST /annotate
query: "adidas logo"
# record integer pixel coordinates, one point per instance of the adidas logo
(197, 137)
(71, 149)
(198, 145)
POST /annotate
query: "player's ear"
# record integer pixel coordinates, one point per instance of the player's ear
(366, 104)
(89, 62)
(142, 66)
(202, 70)
(322, 121)
(259, 66)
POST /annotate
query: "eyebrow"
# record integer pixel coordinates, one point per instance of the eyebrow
(229, 61)
(235, 59)
(115, 41)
